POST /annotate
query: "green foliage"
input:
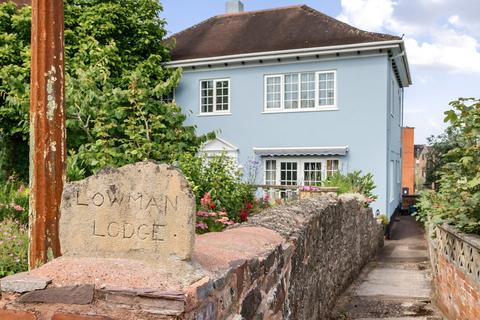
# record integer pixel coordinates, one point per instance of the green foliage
(220, 177)
(14, 88)
(457, 200)
(14, 200)
(437, 155)
(353, 182)
(115, 81)
(383, 219)
(13, 247)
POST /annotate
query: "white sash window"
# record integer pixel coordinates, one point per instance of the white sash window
(304, 91)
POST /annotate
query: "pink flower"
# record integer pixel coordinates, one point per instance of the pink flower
(222, 213)
(224, 220)
(309, 188)
(18, 208)
(206, 200)
(203, 214)
(21, 189)
(201, 225)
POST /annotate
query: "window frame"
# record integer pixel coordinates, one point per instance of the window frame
(215, 112)
(300, 167)
(317, 106)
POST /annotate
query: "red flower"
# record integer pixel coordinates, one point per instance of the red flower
(212, 205)
(243, 216)
(249, 206)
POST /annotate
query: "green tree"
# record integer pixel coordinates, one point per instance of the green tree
(115, 81)
(437, 155)
(14, 88)
(457, 200)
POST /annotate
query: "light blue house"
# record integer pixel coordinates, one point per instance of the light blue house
(301, 92)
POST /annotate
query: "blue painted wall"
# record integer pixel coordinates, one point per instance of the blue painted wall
(363, 121)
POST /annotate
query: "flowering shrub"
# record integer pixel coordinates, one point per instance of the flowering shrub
(209, 220)
(14, 200)
(218, 187)
(263, 203)
(13, 247)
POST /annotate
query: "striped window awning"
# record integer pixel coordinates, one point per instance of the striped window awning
(302, 151)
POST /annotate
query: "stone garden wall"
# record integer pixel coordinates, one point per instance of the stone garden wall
(289, 262)
(456, 273)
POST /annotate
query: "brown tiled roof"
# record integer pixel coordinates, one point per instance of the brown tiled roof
(18, 2)
(267, 30)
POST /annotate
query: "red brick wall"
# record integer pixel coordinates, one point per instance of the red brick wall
(456, 273)
(457, 295)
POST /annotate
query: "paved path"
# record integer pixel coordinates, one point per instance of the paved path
(397, 285)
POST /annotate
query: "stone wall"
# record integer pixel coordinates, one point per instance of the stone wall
(456, 273)
(289, 262)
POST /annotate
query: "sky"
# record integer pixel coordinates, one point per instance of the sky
(442, 39)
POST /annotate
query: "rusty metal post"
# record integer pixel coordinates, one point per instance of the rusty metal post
(47, 129)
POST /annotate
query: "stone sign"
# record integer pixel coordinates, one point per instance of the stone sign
(144, 211)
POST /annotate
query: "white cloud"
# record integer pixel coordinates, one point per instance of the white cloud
(366, 14)
(448, 49)
(439, 33)
(454, 20)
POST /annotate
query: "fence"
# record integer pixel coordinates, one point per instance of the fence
(456, 270)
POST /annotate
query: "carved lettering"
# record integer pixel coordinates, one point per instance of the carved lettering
(116, 229)
(174, 206)
(98, 199)
(95, 231)
(155, 232)
(114, 197)
(140, 234)
(78, 200)
(144, 211)
(139, 197)
(152, 203)
(125, 232)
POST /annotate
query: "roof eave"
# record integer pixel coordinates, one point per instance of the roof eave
(282, 54)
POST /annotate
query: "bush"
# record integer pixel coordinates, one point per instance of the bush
(353, 182)
(14, 200)
(13, 247)
(457, 200)
(217, 181)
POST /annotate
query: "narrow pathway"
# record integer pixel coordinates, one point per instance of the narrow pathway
(397, 285)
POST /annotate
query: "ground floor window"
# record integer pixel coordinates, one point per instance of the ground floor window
(299, 171)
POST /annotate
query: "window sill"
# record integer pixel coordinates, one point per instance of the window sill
(302, 110)
(214, 114)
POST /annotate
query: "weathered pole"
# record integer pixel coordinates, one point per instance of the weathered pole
(47, 129)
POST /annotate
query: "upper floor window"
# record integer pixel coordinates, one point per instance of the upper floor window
(300, 91)
(215, 96)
